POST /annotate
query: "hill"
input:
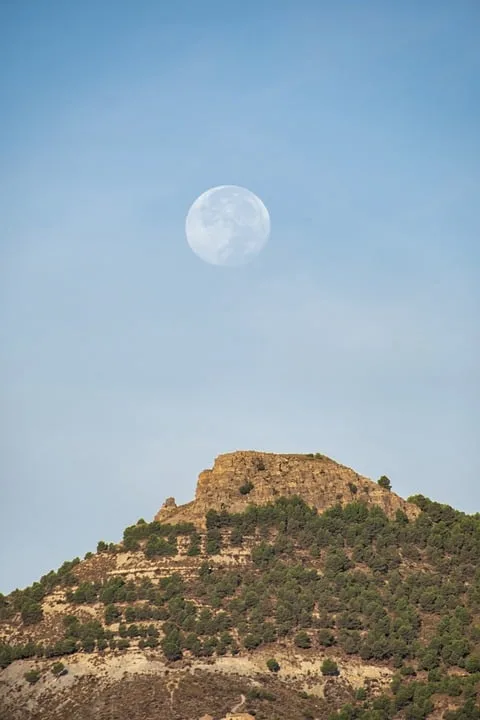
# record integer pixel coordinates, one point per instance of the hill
(291, 587)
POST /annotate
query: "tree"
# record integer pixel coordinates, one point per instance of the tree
(472, 664)
(252, 641)
(273, 665)
(172, 645)
(385, 483)
(32, 613)
(329, 667)
(32, 676)
(112, 613)
(325, 637)
(6, 655)
(302, 640)
(88, 644)
(246, 488)
(59, 669)
(213, 544)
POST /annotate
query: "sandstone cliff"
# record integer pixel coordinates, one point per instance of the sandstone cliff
(318, 480)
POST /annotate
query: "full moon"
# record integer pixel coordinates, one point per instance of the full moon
(227, 225)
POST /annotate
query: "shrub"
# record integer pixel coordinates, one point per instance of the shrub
(326, 637)
(472, 664)
(6, 655)
(172, 645)
(385, 483)
(32, 676)
(112, 613)
(246, 488)
(213, 544)
(273, 665)
(88, 644)
(260, 694)
(31, 613)
(194, 548)
(302, 639)
(329, 667)
(252, 641)
(59, 669)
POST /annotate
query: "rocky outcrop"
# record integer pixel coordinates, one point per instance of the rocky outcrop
(240, 478)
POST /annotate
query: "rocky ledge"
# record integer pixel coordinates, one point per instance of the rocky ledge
(241, 478)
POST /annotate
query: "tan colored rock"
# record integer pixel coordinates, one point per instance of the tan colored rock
(170, 503)
(319, 481)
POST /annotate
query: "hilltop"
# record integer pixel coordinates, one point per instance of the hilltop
(290, 588)
(239, 479)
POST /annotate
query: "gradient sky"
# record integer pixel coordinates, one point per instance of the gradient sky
(126, 363)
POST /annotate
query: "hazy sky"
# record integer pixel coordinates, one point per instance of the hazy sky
(126, 363)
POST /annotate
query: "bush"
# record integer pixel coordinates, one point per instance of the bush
(59, 669)
(88, 644)
(246, 488)
(329, 667)
(260, 694)
(6, 655)
(302, 640)
(213, 544)
(385, 483)
(130, 614)
(252, 641)
(31, 613)
(472, 664)
(326, 637)
(32, 676)
(273, 665)
(172, 645)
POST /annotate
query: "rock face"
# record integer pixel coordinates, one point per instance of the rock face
(240, 478)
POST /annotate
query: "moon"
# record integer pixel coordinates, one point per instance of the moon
(227, 225)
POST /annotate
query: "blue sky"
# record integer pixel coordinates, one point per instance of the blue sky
(126, 363)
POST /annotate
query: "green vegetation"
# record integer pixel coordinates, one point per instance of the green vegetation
(351, 579)
(246, 488)
(329, 667)
(385, 483)
(273, 665)
(32, 676)
(59, 669)
(302, 640)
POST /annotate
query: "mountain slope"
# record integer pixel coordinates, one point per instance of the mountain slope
(370, 608)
